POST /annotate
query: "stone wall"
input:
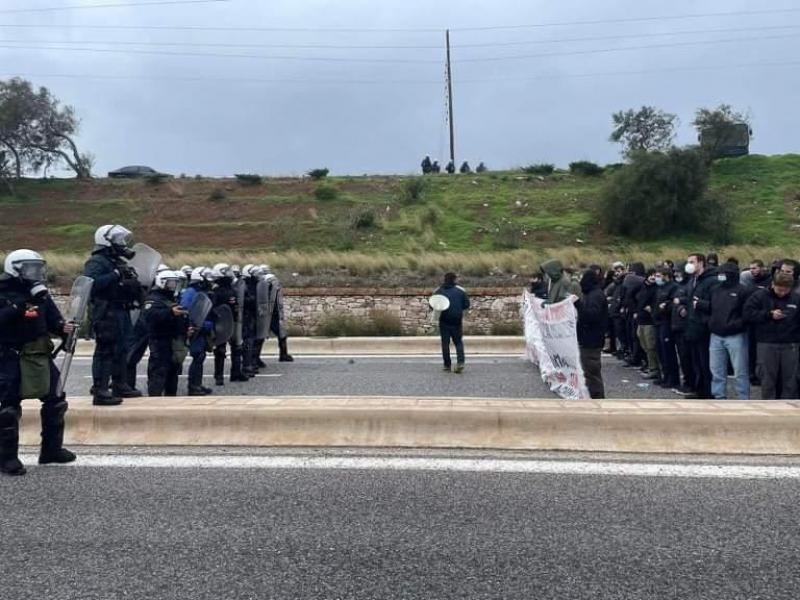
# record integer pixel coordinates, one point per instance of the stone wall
(306, 308)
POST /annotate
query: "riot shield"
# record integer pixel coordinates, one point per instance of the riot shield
(223, 325)
(199, 310)
(239, 287)
(75, 313)
(145, 262)
(264, 313)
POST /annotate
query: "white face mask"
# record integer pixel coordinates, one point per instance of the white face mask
(690, 269)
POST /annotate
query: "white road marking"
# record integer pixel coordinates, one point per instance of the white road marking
(398, 356)
(207, 378)
(458, 465)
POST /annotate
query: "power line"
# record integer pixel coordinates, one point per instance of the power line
(106, 5)
(625, 48)
(404, 47)
(437, 30)
(433, 82)
(6, 45)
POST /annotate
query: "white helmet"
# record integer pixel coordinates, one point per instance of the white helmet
(221, 270)
(187, 270)
(237, 270)
(265, 269)
(200, 274)
(27, 265)
(113, 235)
(162, 267)
(270, 277)
(169, 280)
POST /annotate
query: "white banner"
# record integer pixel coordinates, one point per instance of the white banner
(551, 340)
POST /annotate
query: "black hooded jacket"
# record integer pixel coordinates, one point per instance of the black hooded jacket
(727, 304)
(592, 312)
(699, 304)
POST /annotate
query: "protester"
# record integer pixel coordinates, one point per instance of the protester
(592, 326)
(451, 321)
(728, 333)
(559, 285)
(704, 280)
(666, 291)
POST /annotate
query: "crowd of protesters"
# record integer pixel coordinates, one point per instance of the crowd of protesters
(688, 325)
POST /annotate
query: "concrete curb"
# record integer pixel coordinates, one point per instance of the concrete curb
(347, 346)
(706, 427)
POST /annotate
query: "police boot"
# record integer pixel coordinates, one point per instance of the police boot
(124, 390)
(9, 442)
(284, 355)
(219, 369)
(53, 450)
(198, 391)
(102, 397)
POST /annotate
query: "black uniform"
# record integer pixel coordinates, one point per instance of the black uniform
(225, 295)
(115, 292)
(249, 324)
(165, 331)
(24, 321)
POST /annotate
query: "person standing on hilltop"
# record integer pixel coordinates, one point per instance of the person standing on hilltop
(451, 321)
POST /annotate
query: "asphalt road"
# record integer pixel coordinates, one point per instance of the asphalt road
(493, 377)
(88, 533)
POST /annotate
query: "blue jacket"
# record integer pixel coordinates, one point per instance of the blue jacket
(459, 302)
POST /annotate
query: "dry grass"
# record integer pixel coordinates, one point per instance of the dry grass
(477, 264)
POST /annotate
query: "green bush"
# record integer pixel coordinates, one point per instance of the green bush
(414, 190)
(363, 218)
(663, 193)
(249, 178)
(317, 174)
(156, 179)
(217, 195)
(326, 193)
(539, 169)
(585, 167)
(507, 328)
(378, 323)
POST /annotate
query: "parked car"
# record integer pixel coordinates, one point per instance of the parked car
(135, 171)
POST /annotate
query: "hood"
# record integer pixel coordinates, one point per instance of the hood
(553, 269)
(731, 272)
(589, 281)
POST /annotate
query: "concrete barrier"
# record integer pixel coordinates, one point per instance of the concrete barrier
(708, 427)
(348, 346)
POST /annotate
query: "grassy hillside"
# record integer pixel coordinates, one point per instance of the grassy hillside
(509, 217)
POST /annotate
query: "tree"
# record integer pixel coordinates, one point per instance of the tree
(37, 130)
(643, 130)
(663, 193)
(720, 127)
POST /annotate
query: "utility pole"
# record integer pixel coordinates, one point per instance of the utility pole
(450, 101)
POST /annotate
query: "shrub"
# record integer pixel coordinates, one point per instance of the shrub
(414, 190)
(317, 174)
(363, 218)
(539, 169)
(326, 193)
(507, 328)
(660, 193)
(217, 195)
(378, 323)
(249, 178)
(585, 167)
(507, 236)
(156, 179)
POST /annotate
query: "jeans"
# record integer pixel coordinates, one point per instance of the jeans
(720, 348)
(451, 332)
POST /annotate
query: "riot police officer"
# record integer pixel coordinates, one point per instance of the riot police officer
(28, 317)
(115, 292)
(278, 319)
(250, 275)
(225, 295)
(167, 327)
(199, 282)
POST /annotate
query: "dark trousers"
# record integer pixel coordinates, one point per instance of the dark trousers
(668, 355)
(454, 333)
(111, 339)
(219, 361)
(197, 350)
(137, 346)
(620, 333)
(162, 370)
(685, 357)
(701, 363)
(777, 367)
(636, 354)
(592, 363)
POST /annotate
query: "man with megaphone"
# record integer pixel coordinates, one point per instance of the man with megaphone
(450, 301)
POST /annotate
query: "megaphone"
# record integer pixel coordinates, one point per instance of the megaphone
(439, 304)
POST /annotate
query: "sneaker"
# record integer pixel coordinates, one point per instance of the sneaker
(459, 369)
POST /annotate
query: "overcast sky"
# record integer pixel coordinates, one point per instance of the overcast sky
(169, 108)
